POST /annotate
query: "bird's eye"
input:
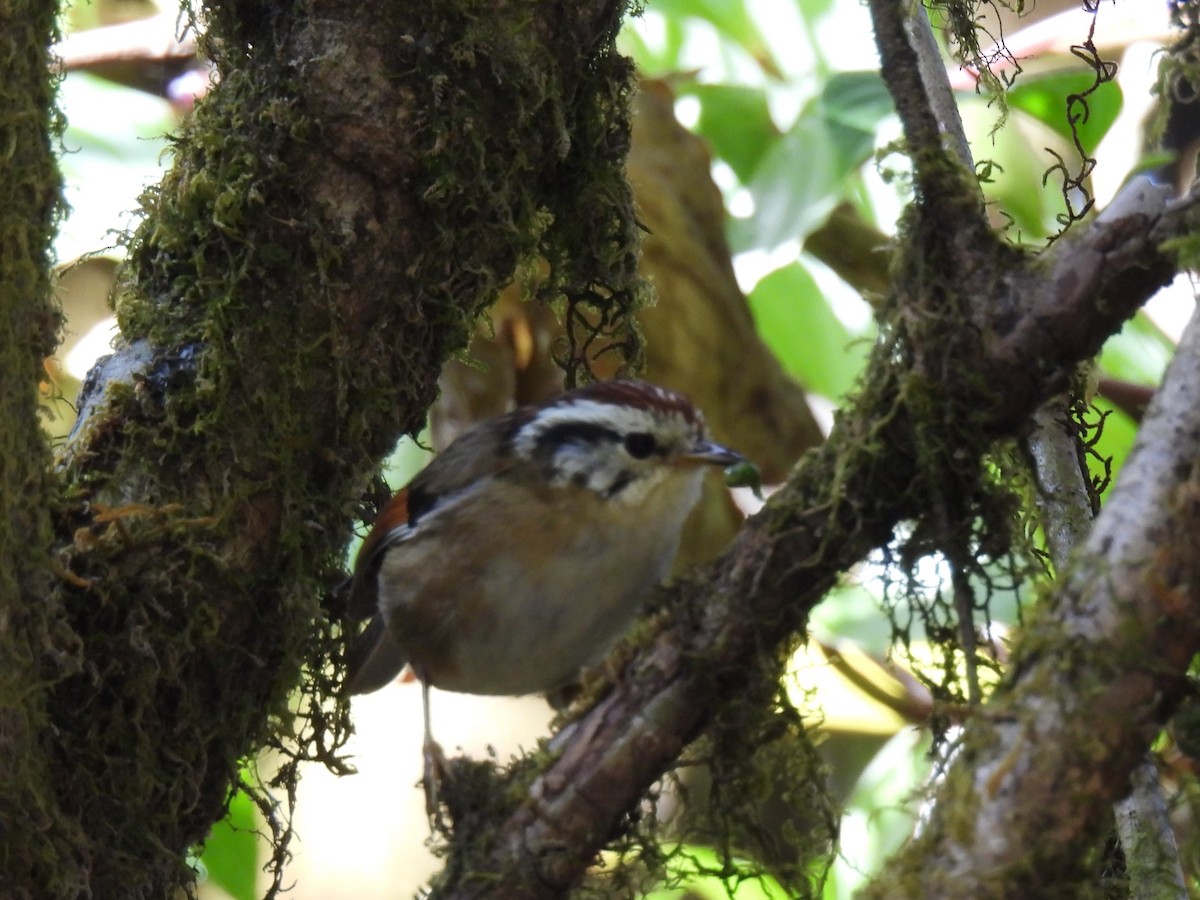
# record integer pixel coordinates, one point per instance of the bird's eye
(639, 445)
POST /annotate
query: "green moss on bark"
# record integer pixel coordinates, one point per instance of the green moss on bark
(36, 838)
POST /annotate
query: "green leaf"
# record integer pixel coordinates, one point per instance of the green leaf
(795, 320)
(1139, 353)
(795, 188)
(853, 105)
(858, 100)
(803, 175)
(1045, 98)
(109, 158)
(731, 20)
(651, 62)
(1015, 161)
(737, 122)
(851, 611)
(813, 11)
(878, 815)
(230, 855)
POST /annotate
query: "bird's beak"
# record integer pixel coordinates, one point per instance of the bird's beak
(715, 454)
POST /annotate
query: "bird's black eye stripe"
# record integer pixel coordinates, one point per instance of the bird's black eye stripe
(640, 444)
(573, 433)
(619, 484)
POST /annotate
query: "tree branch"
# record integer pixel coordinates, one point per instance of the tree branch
(945, 183)
(1142, 821)
(1036, 317)
(1088, 688)
(842, 501)
(939, 95)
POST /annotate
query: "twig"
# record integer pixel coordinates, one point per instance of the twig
(938, 92)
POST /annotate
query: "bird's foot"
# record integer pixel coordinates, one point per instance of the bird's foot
(436, 773)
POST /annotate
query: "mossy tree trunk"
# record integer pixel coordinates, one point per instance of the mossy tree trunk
(30, 202)
(359, 184)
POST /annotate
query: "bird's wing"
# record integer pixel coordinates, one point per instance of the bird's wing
(374, 659)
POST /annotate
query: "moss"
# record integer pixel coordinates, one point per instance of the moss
(477, 795)
(1185, 249)
(1179, 70)
(768, 798)
(967, 502)
(37, 840)
(964, 18)
(285, 337)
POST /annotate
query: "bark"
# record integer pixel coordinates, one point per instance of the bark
(1065, 497)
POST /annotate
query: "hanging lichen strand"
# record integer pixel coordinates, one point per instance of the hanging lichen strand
(350, 195)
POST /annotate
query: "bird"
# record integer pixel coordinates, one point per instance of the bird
(525, 549)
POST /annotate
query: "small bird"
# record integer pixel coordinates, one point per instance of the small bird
(522, 552)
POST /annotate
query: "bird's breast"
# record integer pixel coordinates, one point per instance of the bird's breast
(517, 598)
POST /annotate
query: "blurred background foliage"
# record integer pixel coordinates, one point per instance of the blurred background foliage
(801, 133)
